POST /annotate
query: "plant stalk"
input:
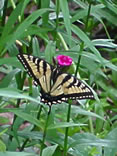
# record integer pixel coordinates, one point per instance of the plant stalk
(4, 12)
(77, 68)
(44, 134)
(20, 87)
(67, 128)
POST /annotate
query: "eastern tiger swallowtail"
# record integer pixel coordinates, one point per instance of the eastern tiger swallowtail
(56, 87)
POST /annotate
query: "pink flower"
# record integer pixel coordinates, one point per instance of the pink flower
(64, 60)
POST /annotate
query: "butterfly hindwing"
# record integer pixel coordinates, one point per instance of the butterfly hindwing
(69, 87)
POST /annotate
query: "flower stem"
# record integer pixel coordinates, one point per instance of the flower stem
(69, 106)
(19, 78)
(57, 13)
(79, 58)
(67, 129)
(62, 41)
(77, 68)
(44, 134)
(82, 43)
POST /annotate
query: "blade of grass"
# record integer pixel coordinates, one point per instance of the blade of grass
(4, 12)
(13, 17)
(66, 16)
(44, 133)
(45, 16)
(10, 39)
(14, 93)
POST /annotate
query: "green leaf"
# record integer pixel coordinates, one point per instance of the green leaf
(36, 30)
(2, 147)
(27, 22)
(10, 39)
(4, 120)
(66, 16)
(99, 123)
(91, 140)
(8, 78)
(34, 135)
(104, 43)
(13, 50)
(1, 4)
(87, 41)
(45, 16)
(35, 46)
(50, 51)
(64, 124)
(49, 151)
(106, 63)
(112, 136)
(5, 38)
(82, 13)
(17, 154)
(24, 116)
(107, 14)
(14, 93)
(78, 110)
(13, 17)
(110, 5)
(12, 61)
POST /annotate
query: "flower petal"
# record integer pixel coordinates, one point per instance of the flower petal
(64, 60)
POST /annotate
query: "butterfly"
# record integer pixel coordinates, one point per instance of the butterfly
(55, 86)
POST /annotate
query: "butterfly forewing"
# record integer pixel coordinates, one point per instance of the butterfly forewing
(38, 69)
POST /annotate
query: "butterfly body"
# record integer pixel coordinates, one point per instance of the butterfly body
(56, 87)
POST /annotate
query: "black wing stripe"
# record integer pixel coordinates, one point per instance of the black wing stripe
(72, 83)
(66, 79)
(38, 68)
(44, 67)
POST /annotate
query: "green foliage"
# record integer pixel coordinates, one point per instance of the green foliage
(84, 30)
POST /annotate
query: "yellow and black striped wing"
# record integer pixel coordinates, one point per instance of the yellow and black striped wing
(67, 87)
(55, 86)
(38, 69)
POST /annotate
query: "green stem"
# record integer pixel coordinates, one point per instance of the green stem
(39, 4)
(69, 106)
(91, 125)
(39, 112)
(88, 14)
(67, 129)
(20, 87)
(25, 142)
(44, 135)
(13, 4)
(4, 12)
(77, 68)
(23, 145)
(79, 58)
(82, 44)
(57, 12)
(62, 41)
